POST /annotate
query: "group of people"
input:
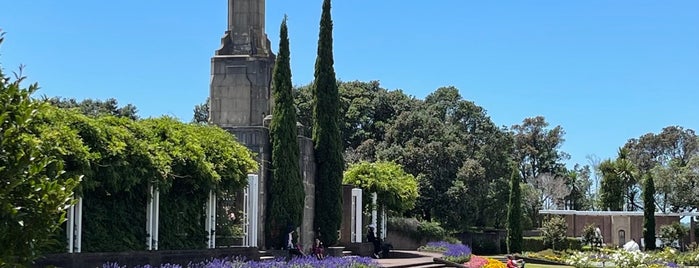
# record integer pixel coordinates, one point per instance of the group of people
(317, 250)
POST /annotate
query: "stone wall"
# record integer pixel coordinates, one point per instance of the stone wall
(240, 92)
(308, 172)
(257, 140)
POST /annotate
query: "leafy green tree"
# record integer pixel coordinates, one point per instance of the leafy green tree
(668, 156)
(35, 190)
(579, 182)
(201, 112)
(514, 216)
(459, 157)
(538, 156)
(649, 213)
(326, 135)
(395, 189)
(286, 194)
(554, 232)
(537, 148)
(612, 188)
(94, 108)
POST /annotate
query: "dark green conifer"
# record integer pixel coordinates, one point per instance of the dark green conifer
(326, 136)
(286, 194)
(649, 213)
(514, 216)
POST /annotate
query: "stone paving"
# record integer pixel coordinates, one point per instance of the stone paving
(405, 258)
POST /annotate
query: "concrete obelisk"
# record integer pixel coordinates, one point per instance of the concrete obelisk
(240, 93)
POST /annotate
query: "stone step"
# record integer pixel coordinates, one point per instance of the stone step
(421, 264)
(266, 257)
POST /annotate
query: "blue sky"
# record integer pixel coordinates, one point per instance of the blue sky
(606, 71)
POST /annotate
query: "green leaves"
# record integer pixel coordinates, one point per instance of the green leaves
(395, 189)
(34, 190)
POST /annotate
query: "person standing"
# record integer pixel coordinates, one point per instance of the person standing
(371, 237)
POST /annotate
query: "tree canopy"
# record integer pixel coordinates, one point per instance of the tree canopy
(396, 190)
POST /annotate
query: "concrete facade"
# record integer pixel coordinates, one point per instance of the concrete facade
(241, 102)
(618, 227)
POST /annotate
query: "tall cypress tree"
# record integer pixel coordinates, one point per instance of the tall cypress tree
(514, 216)
(326, 135)
(649, 213)
(286, 195)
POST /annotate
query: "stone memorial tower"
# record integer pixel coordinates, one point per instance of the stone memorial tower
(241, 102)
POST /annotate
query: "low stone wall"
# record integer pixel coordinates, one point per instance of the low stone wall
(402, 241)
(361, 249)
(137, 258)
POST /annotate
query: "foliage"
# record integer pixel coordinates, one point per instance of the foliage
(395, 189)
(554, 232)
(432, 230)
(514, 216)
(612, 189)
(286, 192)
(649, 213)
(35, 190)
(96, 108)
(537, 148)
(668, 155)
(671, 233)
(201, 112)
(537, 152)
(420, 231)
(578, 182)
(122, 157)
(588, 234)
(326, 135)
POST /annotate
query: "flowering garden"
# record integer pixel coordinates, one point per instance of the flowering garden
(619, 258)
(303, 262)
(461, 254)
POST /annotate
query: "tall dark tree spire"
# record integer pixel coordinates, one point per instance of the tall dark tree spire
(514, 216)
(286, 195)
(326, 135)
(649, 213)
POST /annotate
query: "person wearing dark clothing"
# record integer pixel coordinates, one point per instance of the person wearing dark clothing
(371, 237)
(318, 250)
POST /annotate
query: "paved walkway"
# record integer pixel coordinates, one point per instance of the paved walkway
(405, 258)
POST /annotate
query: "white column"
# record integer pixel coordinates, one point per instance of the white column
(383, 222)
(246, 219)
(70, 228)
(79, 225)
(253, 209)
(211, 220)
(156, 216)
(356, 215)
(149, 219)
(373, 210)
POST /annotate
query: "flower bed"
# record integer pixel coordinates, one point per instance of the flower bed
(456, 253)
(304, 262)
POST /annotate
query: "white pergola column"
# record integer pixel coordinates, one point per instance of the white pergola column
(251, 211)
(374, 215)
(356, 221)
(211, 220)
(74, 226)
(383, 222)
(152, 218)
